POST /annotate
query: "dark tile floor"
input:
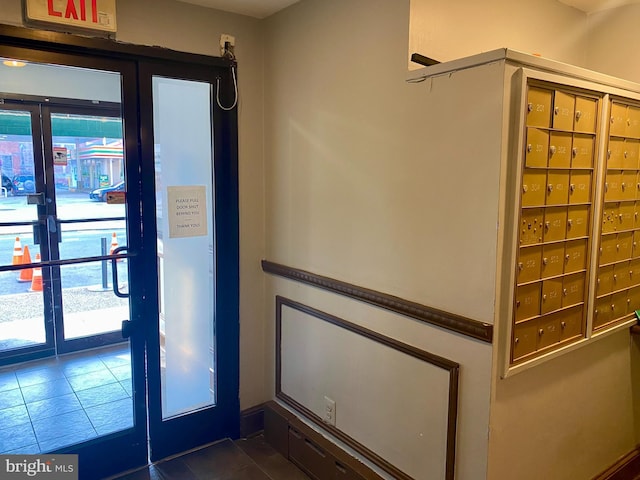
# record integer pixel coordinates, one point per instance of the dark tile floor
(248, 459)
(84, 395)
(87, 395)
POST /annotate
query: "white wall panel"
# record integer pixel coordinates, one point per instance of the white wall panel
(393, 403)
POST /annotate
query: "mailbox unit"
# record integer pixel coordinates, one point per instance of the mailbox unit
(567, 249)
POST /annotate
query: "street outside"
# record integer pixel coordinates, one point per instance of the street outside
(88, 307)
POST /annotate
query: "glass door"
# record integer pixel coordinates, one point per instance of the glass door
(84, 161)
(67, 204)
(71, 360)
(121, 341)
(193, 345)
(25, 328)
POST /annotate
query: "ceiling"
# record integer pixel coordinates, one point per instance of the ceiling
(264, 8)
(252, 8)
(590, 6)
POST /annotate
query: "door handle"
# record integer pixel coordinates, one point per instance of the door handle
(51, 224)
(114, 273)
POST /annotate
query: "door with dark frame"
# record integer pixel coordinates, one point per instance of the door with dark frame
(159, 314)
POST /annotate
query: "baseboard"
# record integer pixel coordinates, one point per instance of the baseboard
(318, 457)
(252, 421)
(626, 468)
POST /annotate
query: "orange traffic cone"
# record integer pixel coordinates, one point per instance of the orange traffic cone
(114, 244)
(17, 252)
(36, 283)
(26, 275)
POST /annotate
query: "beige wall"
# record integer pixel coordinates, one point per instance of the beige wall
(446, 30)
(356, 192)
(568, 418)
(348, 196)
(194, 29)
(613, 41)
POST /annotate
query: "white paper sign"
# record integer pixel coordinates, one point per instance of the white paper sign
(187, 211)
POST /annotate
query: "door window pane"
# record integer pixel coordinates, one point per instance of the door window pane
(21, 310)
(184, 159)
(17, 166)
(89, 305)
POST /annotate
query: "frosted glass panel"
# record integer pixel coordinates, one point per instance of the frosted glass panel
(183, 162)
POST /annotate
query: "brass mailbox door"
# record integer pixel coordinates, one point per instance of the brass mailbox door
(610, 217)
(626, 215)
(524, 339)
(615, 153)
(634, 272)
(548, 331)
(575, 256)
(633, 124)
(603, 312)
(634, 299)
(528, 301)
(552, 256)
(605, 280)
(557, 187)
(619, 305)
(555, 224)
(612, 186)
(628, 179)
(537, 150)
(573, 289)
(621, 277)
(539, 107)
(534, 185)
(624, 246)
(630, 155)
(531, 226)
(585, 116)
(551, 295)
(560, 150)
(563, 110)
(635, 245)
(571, 324)
(580, 186)
(582, 151)
(608, 249)
(618, 121)
(529, 264)
(578, 221)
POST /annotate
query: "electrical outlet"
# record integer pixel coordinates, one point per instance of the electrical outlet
(329, 411)
(227, 43)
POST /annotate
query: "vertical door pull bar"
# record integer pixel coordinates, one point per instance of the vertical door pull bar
(114, 272)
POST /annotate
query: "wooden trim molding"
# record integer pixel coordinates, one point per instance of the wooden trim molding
(452, 367)
(449, 321)
(626, 468)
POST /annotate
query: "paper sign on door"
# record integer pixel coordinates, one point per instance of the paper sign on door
(187, 211)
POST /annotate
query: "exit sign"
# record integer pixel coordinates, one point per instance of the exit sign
(97, 15)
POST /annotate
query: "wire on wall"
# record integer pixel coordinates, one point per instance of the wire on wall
(235, 89)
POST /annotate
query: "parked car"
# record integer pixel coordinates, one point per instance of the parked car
(23, 184)
(100, 194)
(7, 183)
